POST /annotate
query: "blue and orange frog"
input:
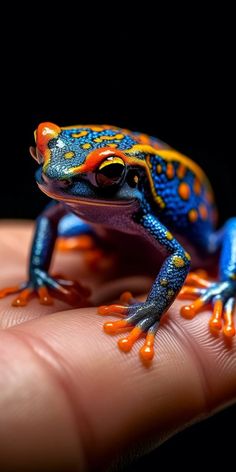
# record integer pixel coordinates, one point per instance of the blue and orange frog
(134, 186)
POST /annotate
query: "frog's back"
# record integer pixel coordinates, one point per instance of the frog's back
(177, 188)
(182, 195)
(113, 136)
(180, 192)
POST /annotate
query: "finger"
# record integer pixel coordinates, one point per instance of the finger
(15, 242)
(107, 401)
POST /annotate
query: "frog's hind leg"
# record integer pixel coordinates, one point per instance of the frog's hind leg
(220, 295)
(74, 234)
(198, 278)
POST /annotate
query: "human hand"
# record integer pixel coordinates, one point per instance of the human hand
(70, 400)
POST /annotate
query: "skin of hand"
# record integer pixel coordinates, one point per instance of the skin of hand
(70, 400)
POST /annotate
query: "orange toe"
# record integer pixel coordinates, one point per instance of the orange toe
(188, 311)
(146, 353)
(9, 290)
(229, 331)
(215, 323)
(112, 327)
(44, 296)
(112, 309)
(82, 243)
(216, 320)
(126, 297)
(23, 297)
(125, 344)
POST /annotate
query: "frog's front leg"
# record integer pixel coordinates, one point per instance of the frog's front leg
(145, 317)
(39, 281)
(218, 294)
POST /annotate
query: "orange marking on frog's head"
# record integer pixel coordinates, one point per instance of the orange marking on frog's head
(96, 157)
(43, 134)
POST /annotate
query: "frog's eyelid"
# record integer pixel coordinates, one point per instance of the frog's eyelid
(111, 161)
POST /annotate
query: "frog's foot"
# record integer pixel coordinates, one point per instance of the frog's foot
(96, 258)
(198, 278)
(221, 296)
(83, 242)
(127, 298)
(138, 317)
(47, 287)
(99, 260)
(26, 292)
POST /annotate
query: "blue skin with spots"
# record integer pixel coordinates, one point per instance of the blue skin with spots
(132, 183)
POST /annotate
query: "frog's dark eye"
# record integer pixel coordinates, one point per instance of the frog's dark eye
(110, 172)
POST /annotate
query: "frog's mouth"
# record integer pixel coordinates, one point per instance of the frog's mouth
(83, 201)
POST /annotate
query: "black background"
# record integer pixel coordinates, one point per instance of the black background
(167, 74)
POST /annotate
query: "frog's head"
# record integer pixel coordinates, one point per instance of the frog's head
(86, 165)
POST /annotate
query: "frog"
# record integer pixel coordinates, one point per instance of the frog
(104, 179)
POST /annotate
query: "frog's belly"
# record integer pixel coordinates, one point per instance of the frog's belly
(138, 255)
(135, 253)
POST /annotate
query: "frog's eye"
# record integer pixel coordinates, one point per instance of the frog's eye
(110, 172)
